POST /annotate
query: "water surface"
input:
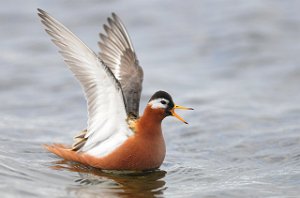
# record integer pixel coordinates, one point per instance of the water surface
(237, 64)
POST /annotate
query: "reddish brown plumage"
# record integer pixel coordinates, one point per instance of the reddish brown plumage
(144, 150)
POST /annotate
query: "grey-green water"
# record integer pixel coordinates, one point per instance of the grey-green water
(236, 62)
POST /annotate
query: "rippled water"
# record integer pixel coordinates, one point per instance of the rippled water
(236, 62)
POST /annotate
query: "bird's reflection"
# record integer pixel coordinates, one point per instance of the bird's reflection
(94, 182)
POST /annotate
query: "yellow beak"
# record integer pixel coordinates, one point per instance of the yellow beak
(176, 115)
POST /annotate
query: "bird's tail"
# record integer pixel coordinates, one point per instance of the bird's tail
(63, 151)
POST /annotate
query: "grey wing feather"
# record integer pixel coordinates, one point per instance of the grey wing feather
(118, 54)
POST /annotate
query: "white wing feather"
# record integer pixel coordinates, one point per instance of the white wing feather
(107, 126)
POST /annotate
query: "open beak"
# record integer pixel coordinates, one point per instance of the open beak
(176, 115)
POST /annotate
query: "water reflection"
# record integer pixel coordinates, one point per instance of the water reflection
(94, 182)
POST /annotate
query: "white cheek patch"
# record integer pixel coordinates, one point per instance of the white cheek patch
(156, 104)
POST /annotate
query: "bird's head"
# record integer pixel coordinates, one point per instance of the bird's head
(162, 101)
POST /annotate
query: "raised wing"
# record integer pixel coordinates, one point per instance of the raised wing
(107, 126)
(118, 54)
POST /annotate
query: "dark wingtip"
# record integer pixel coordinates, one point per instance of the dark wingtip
(40, 11)
(109, 20)
(115, 17)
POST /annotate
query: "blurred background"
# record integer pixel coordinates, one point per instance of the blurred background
(236, 62)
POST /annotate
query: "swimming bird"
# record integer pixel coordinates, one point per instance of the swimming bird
(116, 138)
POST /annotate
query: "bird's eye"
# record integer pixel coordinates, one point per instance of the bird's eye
(163, 102)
